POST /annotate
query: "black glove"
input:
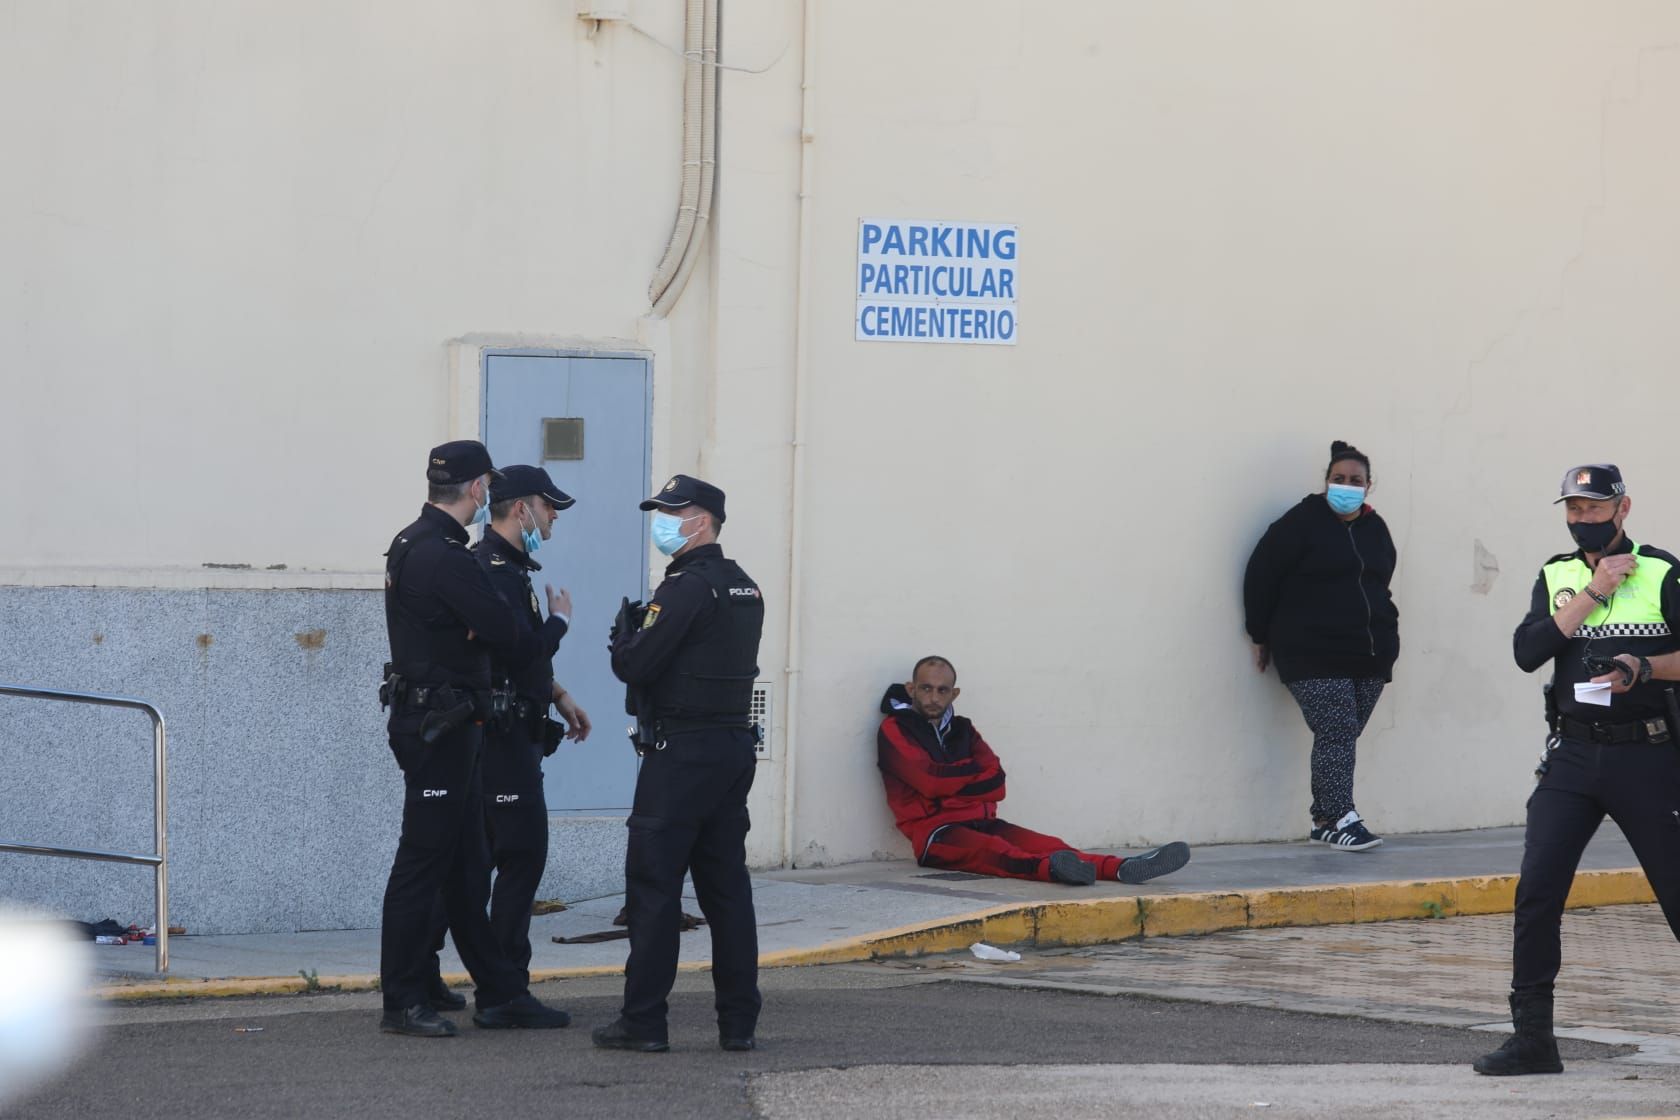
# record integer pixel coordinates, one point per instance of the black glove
(628, 619)
(1598, 665)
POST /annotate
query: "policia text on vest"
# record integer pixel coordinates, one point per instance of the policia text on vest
(694, 656)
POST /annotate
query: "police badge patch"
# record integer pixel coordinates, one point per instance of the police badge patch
(536, 604)
(651, 617)
(1563, 596)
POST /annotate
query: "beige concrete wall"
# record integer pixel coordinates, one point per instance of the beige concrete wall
(244, 237)
(236, 238)
(1442, 231)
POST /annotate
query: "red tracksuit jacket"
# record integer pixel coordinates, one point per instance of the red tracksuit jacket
(932, 783)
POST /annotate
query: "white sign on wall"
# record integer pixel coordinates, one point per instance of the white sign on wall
(936, 282)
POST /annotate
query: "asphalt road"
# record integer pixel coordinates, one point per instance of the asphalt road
(322, 1055)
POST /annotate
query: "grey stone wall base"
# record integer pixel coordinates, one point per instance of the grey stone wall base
(285, 801)
(585, 858)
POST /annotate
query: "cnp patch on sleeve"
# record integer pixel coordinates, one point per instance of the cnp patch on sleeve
(651, 617)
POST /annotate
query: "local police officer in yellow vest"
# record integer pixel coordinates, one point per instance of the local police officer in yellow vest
(1613, 747)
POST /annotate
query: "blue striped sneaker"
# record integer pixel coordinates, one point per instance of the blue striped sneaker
(1347, 835)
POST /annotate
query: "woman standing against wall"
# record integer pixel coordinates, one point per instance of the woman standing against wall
(1317, 605)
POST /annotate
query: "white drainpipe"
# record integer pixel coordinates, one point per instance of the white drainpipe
(801, 394)
(699, 156)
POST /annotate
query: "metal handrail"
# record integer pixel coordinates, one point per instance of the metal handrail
(159, 860)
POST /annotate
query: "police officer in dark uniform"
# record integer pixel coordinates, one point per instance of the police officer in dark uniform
(1601, 614)
(523, 505)
(690, 660)
(444, 618)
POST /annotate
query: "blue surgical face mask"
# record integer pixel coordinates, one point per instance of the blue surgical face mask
(1344, 499)
(532, 537)
(666, 531)
(481, 514)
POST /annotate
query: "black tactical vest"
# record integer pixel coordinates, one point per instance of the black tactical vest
(710, 680)
(428, 643)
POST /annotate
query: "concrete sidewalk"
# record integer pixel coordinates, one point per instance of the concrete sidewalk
(860, 911)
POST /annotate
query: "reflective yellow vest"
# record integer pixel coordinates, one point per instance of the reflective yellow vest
(1635, 610)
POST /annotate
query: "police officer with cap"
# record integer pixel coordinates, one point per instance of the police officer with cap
(444, 618)
(695, 652)
(523, 505)
(1603, 615)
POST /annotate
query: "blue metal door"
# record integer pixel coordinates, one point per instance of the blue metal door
(592, 415)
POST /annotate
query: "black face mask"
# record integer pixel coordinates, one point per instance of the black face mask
(1593, 536)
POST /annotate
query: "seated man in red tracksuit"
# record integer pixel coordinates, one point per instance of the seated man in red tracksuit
(944, 784)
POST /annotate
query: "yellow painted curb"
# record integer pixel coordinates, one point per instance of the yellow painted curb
(1490, 894)
(1094, 921)
(1174, 915)
(1610, 888)
(1051, 924)
(1315, 906)
(1388, 902)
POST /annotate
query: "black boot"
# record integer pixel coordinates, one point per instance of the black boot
(525, 1012)
(441, 998)
(1533, 1048)
(420, 1021)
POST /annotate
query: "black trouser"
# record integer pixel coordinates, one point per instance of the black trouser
(441, 852)
(516, 832)
(1638, 785)
(690, 815)
(516, 823)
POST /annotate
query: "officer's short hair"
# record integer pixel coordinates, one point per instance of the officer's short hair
(447, 493)
(499, 510)
(691, 509)
(934, 659)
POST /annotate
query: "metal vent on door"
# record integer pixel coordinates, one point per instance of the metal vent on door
(759, 713)
(563, 437)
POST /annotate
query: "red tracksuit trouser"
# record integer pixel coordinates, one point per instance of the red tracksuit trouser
(996, 847)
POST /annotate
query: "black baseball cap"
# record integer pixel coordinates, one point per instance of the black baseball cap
(522, 481)
(683, 490)
(460, 460)
(1597, 481)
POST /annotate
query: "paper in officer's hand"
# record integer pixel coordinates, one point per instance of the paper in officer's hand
(1588, 693)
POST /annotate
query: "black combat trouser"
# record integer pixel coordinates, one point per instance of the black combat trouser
(516, 835)
(690, 815)
(1638, 785)
(516, 824)
(441, 853)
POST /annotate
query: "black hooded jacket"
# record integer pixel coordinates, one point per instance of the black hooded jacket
(1316, 593)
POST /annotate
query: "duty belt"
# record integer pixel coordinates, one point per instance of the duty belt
(1639, 731)
(522, 714)
(433, 696)
(668, 726)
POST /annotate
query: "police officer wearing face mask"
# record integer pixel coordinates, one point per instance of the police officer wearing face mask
(524, 503)
(444, 618)
(695, 651)
(1614, 598)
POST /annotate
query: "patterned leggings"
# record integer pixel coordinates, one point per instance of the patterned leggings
(1336, 711)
